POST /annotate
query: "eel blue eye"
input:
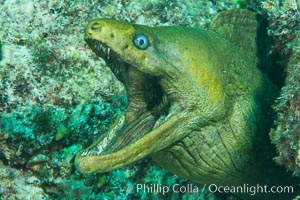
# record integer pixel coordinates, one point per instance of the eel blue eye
(141, 41)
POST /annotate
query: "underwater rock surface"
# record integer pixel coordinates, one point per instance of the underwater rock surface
(284, 26)
(57, 97)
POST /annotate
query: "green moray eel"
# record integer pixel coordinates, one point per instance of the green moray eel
(197, 104)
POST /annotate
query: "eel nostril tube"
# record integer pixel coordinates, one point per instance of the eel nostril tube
(96, 26)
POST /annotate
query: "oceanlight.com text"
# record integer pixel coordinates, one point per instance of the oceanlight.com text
(213, 188)
(251, 189)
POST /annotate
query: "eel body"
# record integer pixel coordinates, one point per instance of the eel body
(197, 104)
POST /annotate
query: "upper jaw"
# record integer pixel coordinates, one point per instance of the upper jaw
(148, 103)
(100, 48)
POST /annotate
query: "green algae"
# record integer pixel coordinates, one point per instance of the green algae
(241, 3)
(62, 131)
(0, 52)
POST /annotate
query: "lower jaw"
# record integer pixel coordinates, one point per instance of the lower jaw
(129, 128)
(99, 159)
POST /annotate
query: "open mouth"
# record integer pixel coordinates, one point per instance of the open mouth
(148, 105)
(154, 116)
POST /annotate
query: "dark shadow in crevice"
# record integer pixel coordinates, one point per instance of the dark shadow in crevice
(269, 62)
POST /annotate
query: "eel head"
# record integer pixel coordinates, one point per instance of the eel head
(163, 98)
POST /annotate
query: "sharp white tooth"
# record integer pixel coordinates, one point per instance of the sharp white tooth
(112, 133)
(168, 117)
(108, 50)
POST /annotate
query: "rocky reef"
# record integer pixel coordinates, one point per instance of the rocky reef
(284, 27)
(57, 97)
